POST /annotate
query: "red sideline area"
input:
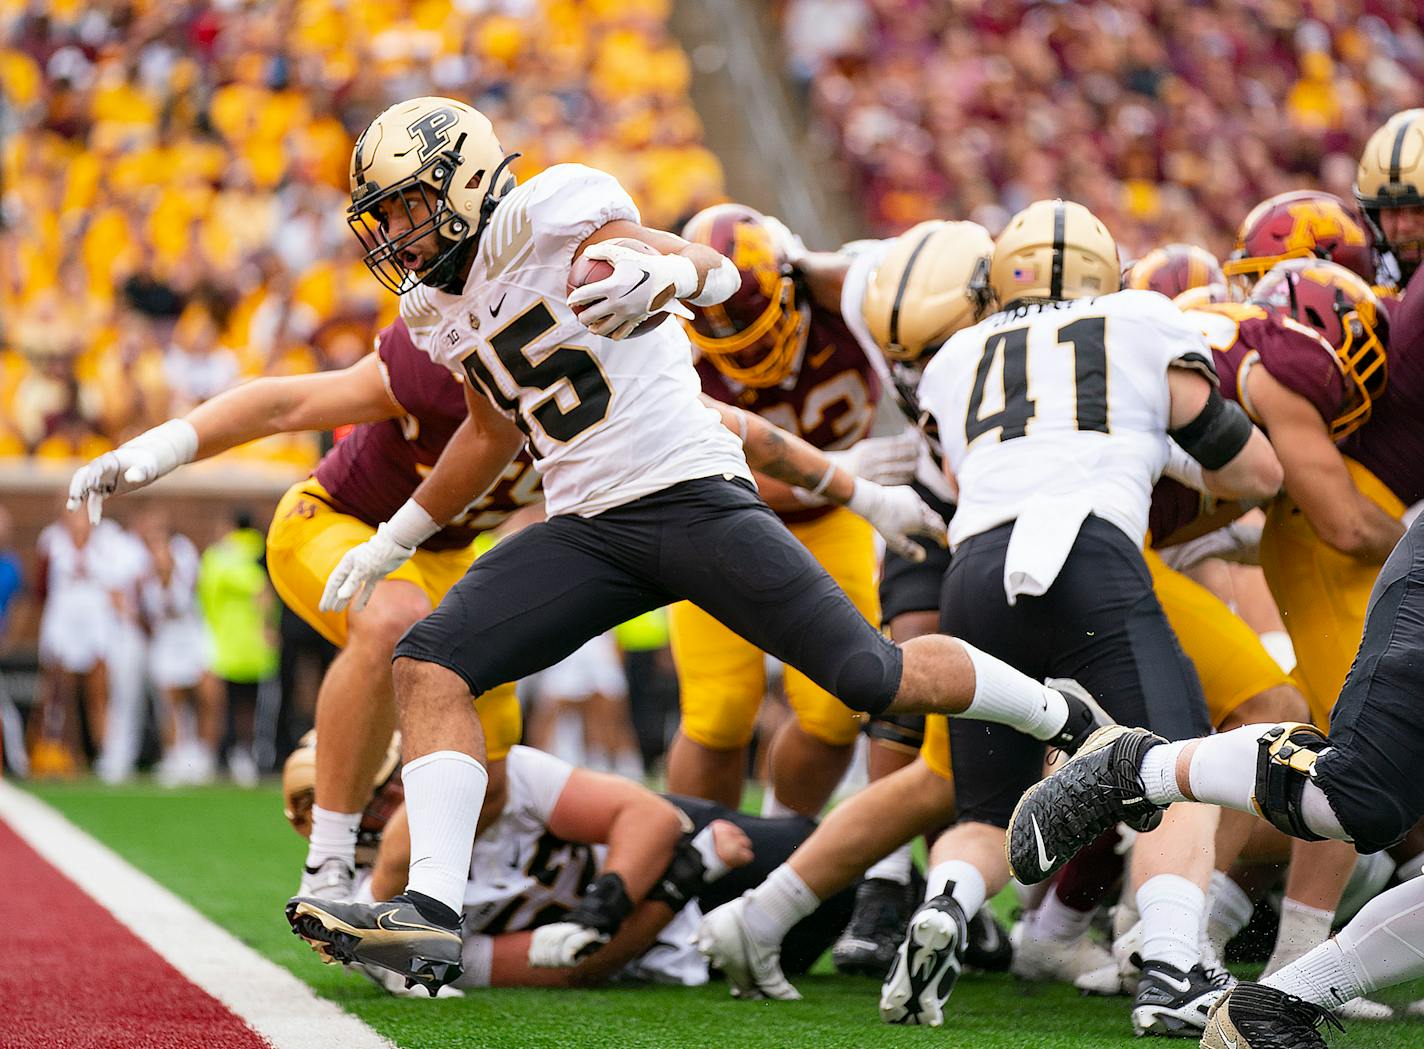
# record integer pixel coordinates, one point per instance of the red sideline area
(75, 978)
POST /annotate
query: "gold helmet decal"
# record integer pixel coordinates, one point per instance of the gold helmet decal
(932, 282)
(439, 163)
(1054, 249)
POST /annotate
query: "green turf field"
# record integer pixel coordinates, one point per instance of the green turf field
(230, 853)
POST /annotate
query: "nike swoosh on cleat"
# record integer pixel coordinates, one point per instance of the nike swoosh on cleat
(1229, 1042)
(1181, 986)
(395, 924)
(1045, 861)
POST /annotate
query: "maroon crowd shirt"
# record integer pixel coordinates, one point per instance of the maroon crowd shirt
(377, 467)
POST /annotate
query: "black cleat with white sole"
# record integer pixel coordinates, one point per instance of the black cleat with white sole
(927, 965)
(1174, 1003)
(877, 925)
(1253, 1016)
(1096, 789)
(988, 948)
(406, 935)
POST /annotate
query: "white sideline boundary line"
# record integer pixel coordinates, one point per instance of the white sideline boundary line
(269, 999)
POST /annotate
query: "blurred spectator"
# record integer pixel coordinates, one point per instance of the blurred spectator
(126, 565)
(240, 609)
(77, 609)
(581, 711)
(652, 682)
(1169, 120)
(179, 656)
(305, 656)
(173, 179)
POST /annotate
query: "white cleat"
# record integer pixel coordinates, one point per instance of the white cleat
(395, 984)
(332, 879)
(1043, 960)
(753, 968)
(1367, 1010)
(927, 965)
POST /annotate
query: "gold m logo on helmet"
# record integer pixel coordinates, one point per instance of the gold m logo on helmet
(1317, 220)
(430, 130)
(753, 252)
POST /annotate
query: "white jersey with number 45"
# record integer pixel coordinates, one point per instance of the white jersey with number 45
(1049, 412)
(607, 422)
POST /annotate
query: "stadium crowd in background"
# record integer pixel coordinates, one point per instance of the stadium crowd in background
(1162, 117)
(175, 176)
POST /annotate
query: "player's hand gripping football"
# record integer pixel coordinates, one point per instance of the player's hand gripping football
(132, 465)
(898, 513)
(642, 284)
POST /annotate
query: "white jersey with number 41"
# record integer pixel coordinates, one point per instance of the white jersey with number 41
(1060, 405)
(607, 422)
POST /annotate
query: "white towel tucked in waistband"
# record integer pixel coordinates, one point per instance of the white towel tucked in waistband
(1044, 532)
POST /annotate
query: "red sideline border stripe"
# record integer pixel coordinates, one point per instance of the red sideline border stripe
(76, 978)
(282, 1010)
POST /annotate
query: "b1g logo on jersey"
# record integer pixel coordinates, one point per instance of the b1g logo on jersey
(431, 130)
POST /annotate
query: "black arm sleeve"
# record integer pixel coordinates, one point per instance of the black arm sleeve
(1217, 434)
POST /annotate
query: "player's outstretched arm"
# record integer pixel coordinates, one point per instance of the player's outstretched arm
(256, 409)
(642, 284)
(896, 511)
(1316, 476)
(476, 455)
(1236, 459)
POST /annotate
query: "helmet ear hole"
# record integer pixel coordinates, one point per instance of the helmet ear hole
(476, 179)
(1313, 315)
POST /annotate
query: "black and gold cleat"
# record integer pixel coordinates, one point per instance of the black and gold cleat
(1099, 787)
(1254, 1016)
(407, 935)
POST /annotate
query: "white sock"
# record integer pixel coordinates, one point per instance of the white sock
(333, 836)
(1005, 695)
(895, 867)
(967, 886)
(1302, 928)
(1055, 920)
(1229, 911)
(777, 904)
(1172, 911)
(772, 809)
(1410, 868)
(443, 795)
(1326, 976)
(1159, 773)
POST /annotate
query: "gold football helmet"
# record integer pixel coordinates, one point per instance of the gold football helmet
(1391, 175)
(756, 336)
(446, 152)
(933, 281)
(299, 786)
(1054, 249)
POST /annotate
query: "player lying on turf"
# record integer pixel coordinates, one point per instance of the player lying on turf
(552, 840)
(407, 409)
(649, 499)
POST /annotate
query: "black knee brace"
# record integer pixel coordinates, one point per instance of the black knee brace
(1285, 761)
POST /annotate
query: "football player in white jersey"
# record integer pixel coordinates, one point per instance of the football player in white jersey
(1054, 415)
(649, 498)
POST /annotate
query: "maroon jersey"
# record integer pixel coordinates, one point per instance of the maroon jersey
(1242, 337)
(375, 469)
(1391, 443)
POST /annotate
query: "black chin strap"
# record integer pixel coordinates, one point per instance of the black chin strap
(449, 275)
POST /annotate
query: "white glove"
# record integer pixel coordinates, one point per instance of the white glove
(1240, 541)
(890, 459)
(897, 513)
(356, 575)
(132, 465)
(639, 286)
(563, 944)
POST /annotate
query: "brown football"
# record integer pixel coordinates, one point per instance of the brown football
(590, 271)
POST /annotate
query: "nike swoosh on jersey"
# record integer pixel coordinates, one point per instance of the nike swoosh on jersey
(496, 307)
(1044, 860)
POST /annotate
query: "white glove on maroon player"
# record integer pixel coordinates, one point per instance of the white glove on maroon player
(354, 578)
(639, 286)
(897, 513)
(132, 465)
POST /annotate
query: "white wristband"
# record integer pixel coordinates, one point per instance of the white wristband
(718, 286)
(863, 497)
(713, 866)
(411, 525)
(173, 443)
